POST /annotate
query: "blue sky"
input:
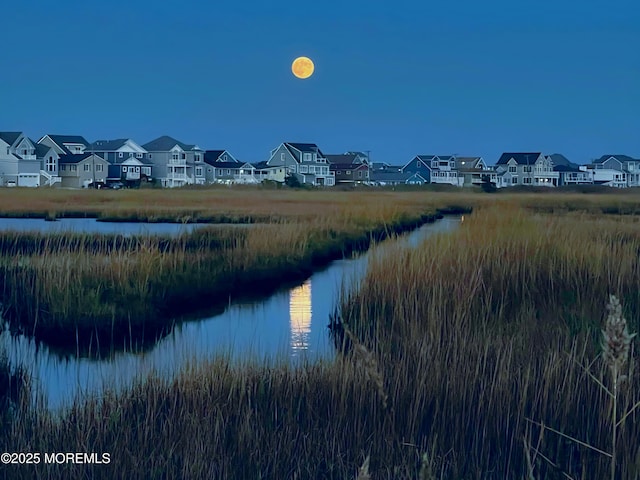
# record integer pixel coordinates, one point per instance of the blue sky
(396, 78)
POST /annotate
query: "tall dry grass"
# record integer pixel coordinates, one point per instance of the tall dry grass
(72, 289)
(455, 345)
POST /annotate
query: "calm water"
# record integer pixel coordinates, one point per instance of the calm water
(290, 324)
(90, 225)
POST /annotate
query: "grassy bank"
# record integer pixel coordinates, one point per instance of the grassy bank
(253, 204)
(455, 345)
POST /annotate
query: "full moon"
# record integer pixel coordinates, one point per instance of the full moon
(302, 67)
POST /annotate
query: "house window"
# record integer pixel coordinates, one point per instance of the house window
(348, 172)
(146, 171)
(513, 169)
(527, 168)
(198, 171)
(228, 171)
(149, 155)
(303, 169)
(526, 180)
(359, 174)
(209, 170)
(138, 155)
(183, 156)
(339, 172)
(119, 154)
(225, 158)
(63, 168)
(51, 165)
(174, 156)
(74, 168)
(124, 169)
(87, 167)
(514, 180)
(282, 156)
(307, 157)
(197, 157)
(99, 167)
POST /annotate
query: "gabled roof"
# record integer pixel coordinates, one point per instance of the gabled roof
(302, 147)
(77, 158)
(468, 163)
(211, 157)
(620, 158)
(342, 158)
(166, 143)
(559, 159)
(10, 137)
(41, 149)
(520, 158)
(108, 145)
(60, 140)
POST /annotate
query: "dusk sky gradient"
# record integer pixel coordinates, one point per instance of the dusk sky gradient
(398, 78)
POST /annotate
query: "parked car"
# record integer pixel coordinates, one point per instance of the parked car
(115, 185)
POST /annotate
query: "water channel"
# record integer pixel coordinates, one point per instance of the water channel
(289, 325)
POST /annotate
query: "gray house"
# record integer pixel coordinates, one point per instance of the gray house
(529, 169)
(305, 161)
(175, 163)
(628, 168)
(18, 163)
(213, 158)
(80, 170)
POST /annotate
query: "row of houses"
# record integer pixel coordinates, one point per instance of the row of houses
(72, 161)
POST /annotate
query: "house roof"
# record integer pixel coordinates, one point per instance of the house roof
(385, 166)
(77, 158)
(467, 163)
(527, 158)
(41, 149)
(166, 143)
(342, 158)
(264, 165)
(559, 159)
(621, 158)
(302, 147)
(211, 156)
(60, 140)
(10, 137)
(107, 145)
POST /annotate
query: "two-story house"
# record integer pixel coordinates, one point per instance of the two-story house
(48, 151)
(434, 168)
(473, 170)
(304, 160)
(126, 161)
(79, 170)
(569, 173)
(18, 163)
(615, 170)
(349, 168)
(175, 163)
(222, 167)
(529, 169)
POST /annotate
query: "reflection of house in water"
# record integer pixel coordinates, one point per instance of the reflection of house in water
(300, 313)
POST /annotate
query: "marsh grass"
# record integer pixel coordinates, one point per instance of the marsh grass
(472, 333)
(76, 290)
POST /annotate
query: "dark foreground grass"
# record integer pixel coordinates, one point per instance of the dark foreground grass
(454, 346)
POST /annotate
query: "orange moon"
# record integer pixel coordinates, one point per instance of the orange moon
(302, 67)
